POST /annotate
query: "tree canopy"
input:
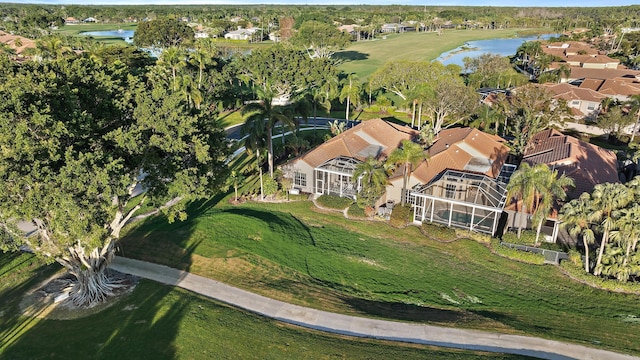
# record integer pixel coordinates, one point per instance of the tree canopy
(320, 40)
(163, 33)
(79, 140)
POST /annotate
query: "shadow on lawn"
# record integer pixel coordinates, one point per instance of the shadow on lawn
(350, 55)
(405, 312)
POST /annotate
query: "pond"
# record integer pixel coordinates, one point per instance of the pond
(126, 35)
(504, 47)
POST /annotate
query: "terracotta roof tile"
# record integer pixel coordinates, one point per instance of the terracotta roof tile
(367, 138)
(465, 145)
(586, 163)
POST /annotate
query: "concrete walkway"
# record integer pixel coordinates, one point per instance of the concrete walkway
(363, 327)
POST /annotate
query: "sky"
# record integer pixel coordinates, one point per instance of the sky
(518, 3)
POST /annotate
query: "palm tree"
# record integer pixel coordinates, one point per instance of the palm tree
(235, 179)
(255, 140)
(174, 58)
(629, 230)
(409, 154)
(575, 217)
(553, 188)
(350, 92)
(201, 59)
(266, 112)
(373, 177)
(606, 199)
(52, 47)
(524, 186)
(635, 106)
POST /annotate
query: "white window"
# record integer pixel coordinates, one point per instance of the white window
(300, 179)
(451, 191)
(591, 106)
(575, 102)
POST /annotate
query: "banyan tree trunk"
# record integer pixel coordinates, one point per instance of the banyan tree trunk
(92, 284)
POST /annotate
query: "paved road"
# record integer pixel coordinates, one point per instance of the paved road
(363, 327)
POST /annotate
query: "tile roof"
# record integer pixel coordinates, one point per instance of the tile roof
(589, 59)
(463, 149)
(373, 137)
(584, 73)
(569, 92)
(586, 163)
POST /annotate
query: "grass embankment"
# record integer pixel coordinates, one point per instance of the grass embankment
(364, 57)
(161, 322)
(368, 268)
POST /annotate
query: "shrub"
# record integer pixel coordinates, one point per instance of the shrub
(334, 202)
(575, 257)
(356, 211)
(528, 237)
(439, 232)
(270, 185)
(401, 216)
(481, 238)
(577, 272)
(524, 256)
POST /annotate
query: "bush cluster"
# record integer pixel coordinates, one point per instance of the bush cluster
(401, 216)
(576, 271)
(334, 202)
(528, 237)
(438, 231)
(524, 256)
(468, 234)
(356, 211)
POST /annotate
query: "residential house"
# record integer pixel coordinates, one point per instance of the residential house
(583, 102)
(587, 164)
(241, 34)
(328, 169)
(90, 20)
(620, 89)
(463, 183)
(396, 28)
(71, 20)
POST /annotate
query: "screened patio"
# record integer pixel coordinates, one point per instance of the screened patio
(464, 200)
(335, 177)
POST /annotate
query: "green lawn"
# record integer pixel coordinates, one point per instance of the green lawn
(368, 268)
(161, 322)
(364, 57)
(75, 30)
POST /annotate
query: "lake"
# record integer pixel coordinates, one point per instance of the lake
(126, 35)
(504, 47)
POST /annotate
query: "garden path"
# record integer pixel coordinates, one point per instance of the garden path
(360, 326)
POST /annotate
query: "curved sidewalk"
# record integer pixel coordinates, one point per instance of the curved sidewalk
(359, 326)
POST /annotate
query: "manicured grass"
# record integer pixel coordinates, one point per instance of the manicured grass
(75, 30)
(368, 268)
(364, 57)
(161, 322)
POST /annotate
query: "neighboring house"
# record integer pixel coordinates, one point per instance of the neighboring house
(463, 183)
(583, 102)
(241, 34)
(90, 20)
(328, 169)
(592, 62)
(10, 40)
(396, 28)
(566, 49)
(71, 20)
(620, 89)
(587, 164)
(201, 34)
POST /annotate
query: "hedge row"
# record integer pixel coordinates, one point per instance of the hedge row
(334, 202)
(524, 256)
